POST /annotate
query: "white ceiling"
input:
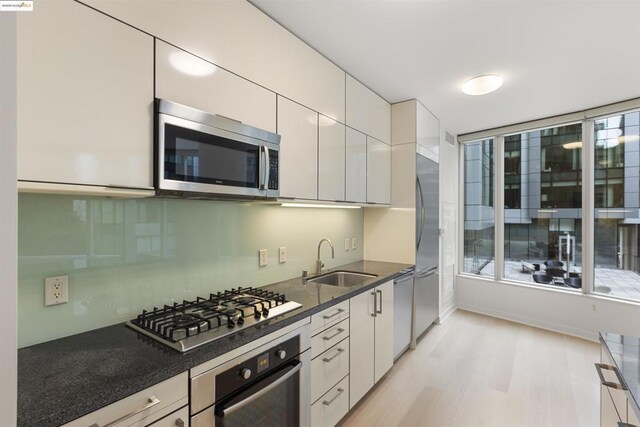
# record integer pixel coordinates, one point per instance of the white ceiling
(555, 56)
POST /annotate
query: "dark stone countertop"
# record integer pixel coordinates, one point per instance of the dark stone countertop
(64, 379)
(625, 353)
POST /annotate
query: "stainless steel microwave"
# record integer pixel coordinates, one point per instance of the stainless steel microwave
(202, 155)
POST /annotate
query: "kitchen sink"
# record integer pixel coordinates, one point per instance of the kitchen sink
(342, 278)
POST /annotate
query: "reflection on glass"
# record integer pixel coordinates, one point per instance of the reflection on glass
(542, 202)
(616, 203)
(479, 226)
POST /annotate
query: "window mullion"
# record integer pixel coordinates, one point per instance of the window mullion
(499, 206)
(588, 190)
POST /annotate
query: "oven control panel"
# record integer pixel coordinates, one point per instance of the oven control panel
(246, 372)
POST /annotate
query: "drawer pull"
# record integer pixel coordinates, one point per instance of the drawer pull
(332, 336)
(329, 316)
(152, 401)
(329, 359)
(179, 422)
(600, 367)
(330, 401)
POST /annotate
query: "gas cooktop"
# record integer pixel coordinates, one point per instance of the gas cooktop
(190, 324)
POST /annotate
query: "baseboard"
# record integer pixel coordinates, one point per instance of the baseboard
(447, 313)
(529, 321)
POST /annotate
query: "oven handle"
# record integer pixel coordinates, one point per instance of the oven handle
(222, 412)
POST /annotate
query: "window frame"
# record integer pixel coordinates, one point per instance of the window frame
(587, 119)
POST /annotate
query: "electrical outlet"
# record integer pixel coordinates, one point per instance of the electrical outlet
(263, 259)
(353, 244)
(282, 254)
(56, 290)
(347, 244)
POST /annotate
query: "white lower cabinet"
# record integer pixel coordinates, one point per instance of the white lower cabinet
(329, 368)
(332, 406)
(330, 353)
(371, 339)
(142, 408)
(180, 418)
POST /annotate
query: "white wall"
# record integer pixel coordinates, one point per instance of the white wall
(8, 220)
(562, 311)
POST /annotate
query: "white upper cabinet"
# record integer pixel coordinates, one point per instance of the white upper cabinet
(298, 161)
(356, 178)
(331, 159)
(427, 130)
(378, 172)
(189, 80)
(367, 112)
(85, 98)
(240, 38)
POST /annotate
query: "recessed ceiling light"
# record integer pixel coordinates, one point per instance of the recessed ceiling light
(482, 85)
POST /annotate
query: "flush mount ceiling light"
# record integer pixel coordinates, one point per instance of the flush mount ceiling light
(482, 85)
(572, 145)
(191, 65)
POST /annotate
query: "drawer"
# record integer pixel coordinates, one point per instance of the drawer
(142, 408)
(332, 406)
(180, 418)
(329, 368)
(329, 316)
(329, 337)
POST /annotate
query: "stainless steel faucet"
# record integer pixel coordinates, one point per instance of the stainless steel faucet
(319, 263)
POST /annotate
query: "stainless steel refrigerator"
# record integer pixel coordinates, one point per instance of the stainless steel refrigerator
(426, 287)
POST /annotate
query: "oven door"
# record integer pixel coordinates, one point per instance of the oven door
(278, 398)
(197, 158)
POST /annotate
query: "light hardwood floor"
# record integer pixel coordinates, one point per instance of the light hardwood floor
(476, 370)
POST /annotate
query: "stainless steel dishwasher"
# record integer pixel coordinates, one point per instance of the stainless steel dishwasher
(402, 312)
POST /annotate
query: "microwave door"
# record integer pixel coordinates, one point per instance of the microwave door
(196, 158)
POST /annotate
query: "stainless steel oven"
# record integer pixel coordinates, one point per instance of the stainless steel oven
(203, 155)
(267, 386)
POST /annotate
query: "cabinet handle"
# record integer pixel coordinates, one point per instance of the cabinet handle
(152, 401)
(600, 367)
(332, 336)
(329, 359)
(375, 305)
(380, 293)
(179, 422)
(329, 316)
(330, 401)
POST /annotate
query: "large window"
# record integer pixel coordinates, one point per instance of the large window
(479, 223)
(542, 206)
(616, 205)
(541, 179)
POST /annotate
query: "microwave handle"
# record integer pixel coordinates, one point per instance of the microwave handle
(265, 168)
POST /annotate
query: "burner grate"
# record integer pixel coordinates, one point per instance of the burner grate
(189, 318)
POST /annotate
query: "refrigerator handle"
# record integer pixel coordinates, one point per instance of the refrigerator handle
(422, 212)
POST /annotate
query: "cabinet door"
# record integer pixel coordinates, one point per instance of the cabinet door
(361, 323)
(366, 111)
(85, 98)
(428, 130)
(384, 330)
(189, 80)
(298, 127)
(378, 171)
(331, 159)
(356, 181)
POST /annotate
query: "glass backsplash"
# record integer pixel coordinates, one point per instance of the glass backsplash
(123, 256)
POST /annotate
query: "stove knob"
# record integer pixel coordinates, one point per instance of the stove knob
(281, 354)
(245, 373)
